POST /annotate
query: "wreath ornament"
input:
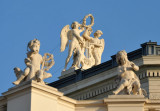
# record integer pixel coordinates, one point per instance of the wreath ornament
(85, 18)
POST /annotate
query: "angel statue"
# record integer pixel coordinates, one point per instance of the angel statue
(87, 51)
(36, 65)
(129, 82)
(75, 45)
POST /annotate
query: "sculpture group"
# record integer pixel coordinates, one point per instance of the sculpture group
(86, 52)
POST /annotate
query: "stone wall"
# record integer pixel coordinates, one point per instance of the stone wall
(33, 96)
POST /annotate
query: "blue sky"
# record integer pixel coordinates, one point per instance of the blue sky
(125, 24)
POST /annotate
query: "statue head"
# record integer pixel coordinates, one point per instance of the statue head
(75, 25)
(121, 57)
(34, 45)
(98, 33)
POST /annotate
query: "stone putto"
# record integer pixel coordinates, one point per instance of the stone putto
(129, 82)
(36, 65)
(86, 50)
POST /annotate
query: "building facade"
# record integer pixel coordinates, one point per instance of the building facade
(98, 82)
(91, 90)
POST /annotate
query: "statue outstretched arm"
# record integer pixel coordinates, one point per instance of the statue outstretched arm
(101, 44)
(86, 36)
(135, 67)
(81, 29)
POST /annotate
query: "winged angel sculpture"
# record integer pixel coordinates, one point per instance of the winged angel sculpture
(81, 45)
(76, 42)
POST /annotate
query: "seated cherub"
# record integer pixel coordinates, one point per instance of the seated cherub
(33, 65)
(128, 79)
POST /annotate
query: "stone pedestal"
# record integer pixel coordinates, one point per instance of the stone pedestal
(33, 96)
(125, 102)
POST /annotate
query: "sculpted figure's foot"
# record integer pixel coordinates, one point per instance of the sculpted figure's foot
(114, 92)
(19, 80)
(76, 67)
(16, 82)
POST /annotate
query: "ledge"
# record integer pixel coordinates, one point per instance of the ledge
(32, 84)
(125, 99)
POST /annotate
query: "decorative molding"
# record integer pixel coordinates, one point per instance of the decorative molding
(155, 97)
(149, 73)
(90, 94)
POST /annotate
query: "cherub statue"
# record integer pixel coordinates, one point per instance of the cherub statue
(36, 65)
(129, 82)
(75, 45)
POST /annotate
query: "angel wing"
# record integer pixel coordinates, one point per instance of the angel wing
(65, 36)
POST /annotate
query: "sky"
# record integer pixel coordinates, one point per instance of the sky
(125, 25)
